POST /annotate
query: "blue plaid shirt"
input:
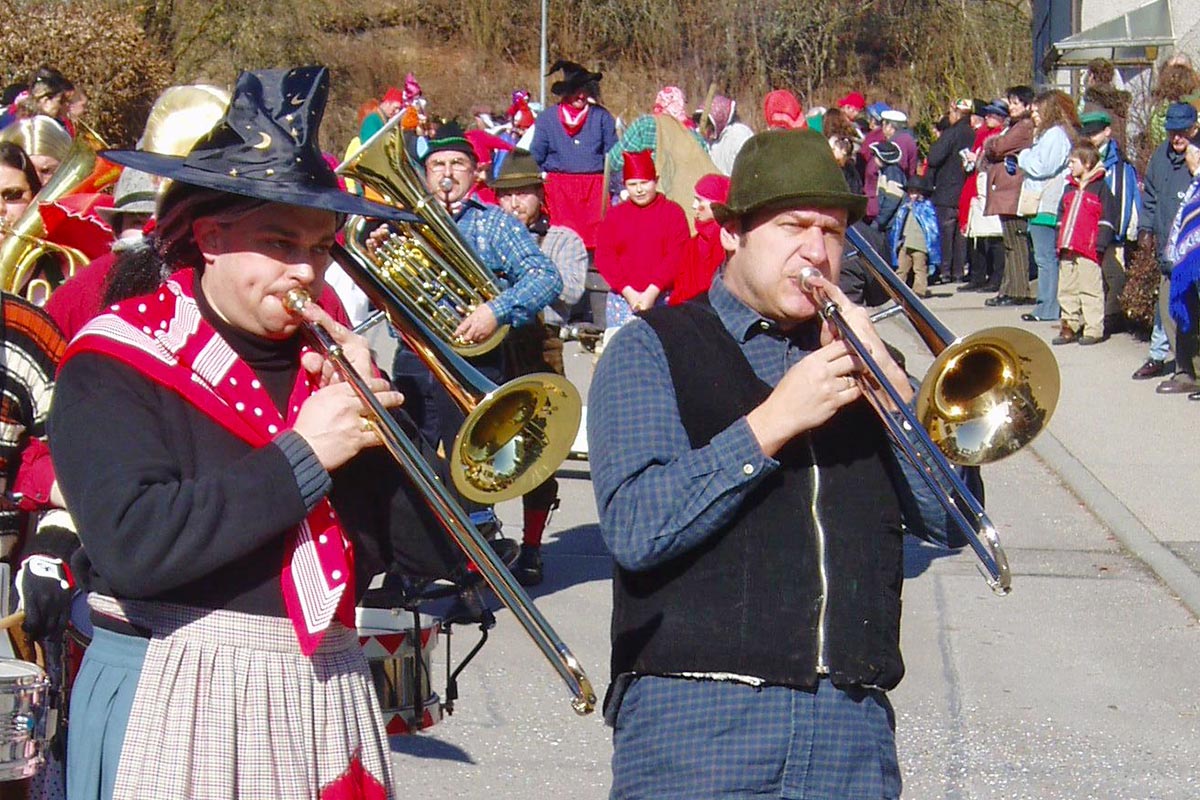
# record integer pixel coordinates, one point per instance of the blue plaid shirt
(657, 496)
(528, 278)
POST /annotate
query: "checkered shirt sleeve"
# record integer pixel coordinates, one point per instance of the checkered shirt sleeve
(565, 250)
(658, 497)
(529, 280)
(642, 134)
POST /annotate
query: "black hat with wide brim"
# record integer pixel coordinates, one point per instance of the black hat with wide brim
(265, 147)
(781, 169)
(575, 78)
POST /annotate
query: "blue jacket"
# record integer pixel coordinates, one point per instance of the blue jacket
(927, 219)
(890, 189)
(1122, 181)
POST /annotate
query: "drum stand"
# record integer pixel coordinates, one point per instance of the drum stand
(401, 593)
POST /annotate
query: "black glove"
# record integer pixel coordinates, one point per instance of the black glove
(45, 583)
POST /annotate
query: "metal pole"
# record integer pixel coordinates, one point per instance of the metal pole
(542, 70)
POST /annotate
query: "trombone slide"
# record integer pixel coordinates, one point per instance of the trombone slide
(936, 472)
(455, 520)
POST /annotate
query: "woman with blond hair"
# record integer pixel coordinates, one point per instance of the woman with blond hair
(1056, 124)
(44, 140)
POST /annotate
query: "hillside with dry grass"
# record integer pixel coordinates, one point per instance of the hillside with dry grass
(470, 53)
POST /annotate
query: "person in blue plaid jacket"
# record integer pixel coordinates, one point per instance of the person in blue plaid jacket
(753, 504)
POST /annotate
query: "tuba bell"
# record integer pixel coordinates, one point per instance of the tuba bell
(435, 271)
(25, 241)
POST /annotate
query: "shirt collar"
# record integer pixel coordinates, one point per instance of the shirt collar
(742, 322)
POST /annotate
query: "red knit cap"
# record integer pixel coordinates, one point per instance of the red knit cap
(393, 95)
(714, 188)
(639, 167)
(854, 100)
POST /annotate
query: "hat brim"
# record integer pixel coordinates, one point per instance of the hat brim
(306, 196)
(571, 85)
(109, 213)
(517, 181)
(855, 205)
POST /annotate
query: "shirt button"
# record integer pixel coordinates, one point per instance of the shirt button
(764, 325)
(748, 469)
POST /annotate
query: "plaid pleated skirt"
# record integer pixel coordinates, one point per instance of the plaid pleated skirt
(227, 707)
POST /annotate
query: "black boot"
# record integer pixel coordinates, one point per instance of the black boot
(528, 569)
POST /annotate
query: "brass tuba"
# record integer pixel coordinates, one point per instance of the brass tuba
(25, 240)
(515, 435)
(434, 270)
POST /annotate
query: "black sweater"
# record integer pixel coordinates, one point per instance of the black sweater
(173, 507)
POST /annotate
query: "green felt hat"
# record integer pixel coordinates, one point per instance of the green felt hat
(787, 169)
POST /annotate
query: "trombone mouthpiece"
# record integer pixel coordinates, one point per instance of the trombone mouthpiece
(808, 276)
(296, 299)
(445, 184)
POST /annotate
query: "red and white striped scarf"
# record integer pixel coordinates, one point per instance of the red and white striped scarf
(164, 337)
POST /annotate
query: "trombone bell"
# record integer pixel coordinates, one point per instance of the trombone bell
(515, 438)
(988, 395)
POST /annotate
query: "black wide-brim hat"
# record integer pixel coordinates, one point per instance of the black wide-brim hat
(266, 147)
(781, 169)
(575, 78)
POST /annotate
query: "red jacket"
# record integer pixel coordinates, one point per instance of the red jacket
(1087, 216)
(702, 257)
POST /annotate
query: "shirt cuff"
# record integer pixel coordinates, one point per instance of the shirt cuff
(736, 449)
(311, 478)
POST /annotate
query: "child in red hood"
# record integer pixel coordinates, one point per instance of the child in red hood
(703, 254)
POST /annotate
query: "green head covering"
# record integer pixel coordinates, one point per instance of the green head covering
(787, 169)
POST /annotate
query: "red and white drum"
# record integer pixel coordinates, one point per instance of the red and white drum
(401, 661)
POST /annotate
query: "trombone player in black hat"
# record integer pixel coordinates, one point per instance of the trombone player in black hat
(753, 504)
(231, 500)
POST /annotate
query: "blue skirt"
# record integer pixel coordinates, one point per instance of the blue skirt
(101, 701)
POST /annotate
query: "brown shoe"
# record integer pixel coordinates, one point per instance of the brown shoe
(1090, 339)
(1065, 336)
(1153, 368)
(1179, 383)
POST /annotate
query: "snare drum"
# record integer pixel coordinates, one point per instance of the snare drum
(402, 673)
(25, 724)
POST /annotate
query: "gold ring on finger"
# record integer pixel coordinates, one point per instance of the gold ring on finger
(364, 425)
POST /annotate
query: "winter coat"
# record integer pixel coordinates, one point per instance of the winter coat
(1045, 166)
(870, 171)
(1086, 216)
(1166, 181)
(1122, 181)
(890, 189)
(927, 219)
(1004, 189)
(946, 163)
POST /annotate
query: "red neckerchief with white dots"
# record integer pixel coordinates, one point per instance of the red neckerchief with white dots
(163, 336)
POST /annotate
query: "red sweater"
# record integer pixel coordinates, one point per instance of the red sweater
(702, 256)
(637, 246)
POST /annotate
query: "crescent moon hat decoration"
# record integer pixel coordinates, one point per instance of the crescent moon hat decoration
(265, 147)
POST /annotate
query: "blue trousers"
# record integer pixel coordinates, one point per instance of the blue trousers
(688, 739)
(1044, 239)
(101, 701)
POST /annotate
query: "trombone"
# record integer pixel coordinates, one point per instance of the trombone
(985, 396)
(455, 520)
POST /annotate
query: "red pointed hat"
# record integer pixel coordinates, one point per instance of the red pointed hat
(639, 166)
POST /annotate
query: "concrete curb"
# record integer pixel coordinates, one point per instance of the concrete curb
(1170, 568)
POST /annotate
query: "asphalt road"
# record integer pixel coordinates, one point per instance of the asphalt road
(1080, 684)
